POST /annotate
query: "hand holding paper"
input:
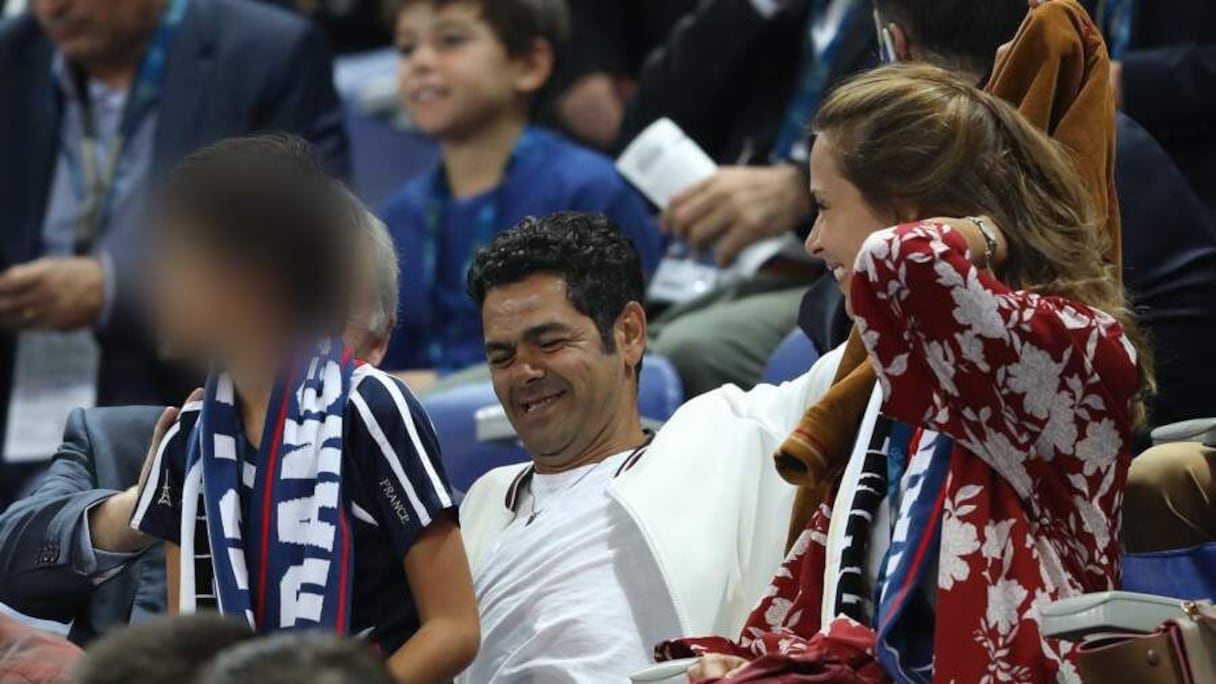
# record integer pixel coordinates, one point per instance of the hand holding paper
(736, 207)
(743, 213)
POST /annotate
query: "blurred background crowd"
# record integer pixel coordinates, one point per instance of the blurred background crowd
(454, 120)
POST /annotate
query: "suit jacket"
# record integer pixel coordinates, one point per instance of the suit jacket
(1169, 83)
(726, 75)
(234, 67)
(102, 453)
(1169, 267)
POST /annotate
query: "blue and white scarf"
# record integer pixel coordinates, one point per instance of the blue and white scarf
(898, 492)
(289, 565)
(918, 465)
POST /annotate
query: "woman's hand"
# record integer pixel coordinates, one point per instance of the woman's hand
(714, 666)
(976, 244)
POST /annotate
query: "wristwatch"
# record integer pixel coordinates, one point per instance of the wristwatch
(990, 242)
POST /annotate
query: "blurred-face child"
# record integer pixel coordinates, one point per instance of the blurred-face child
(304, 490)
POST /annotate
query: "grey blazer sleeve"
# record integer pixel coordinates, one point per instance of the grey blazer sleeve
(38, 534)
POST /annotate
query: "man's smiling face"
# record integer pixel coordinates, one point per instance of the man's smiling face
(560, 383)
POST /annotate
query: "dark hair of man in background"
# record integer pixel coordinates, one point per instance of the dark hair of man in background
(962, 33)
(167, 650)
(264, 202)
(299, 659)
(599, 265)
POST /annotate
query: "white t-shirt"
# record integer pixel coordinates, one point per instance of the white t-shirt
(574, 597)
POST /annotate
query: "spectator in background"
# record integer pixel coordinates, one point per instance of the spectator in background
(1169, 240)
(469, 73)
(298, 659)
(169, 650)
(601, 61)
(70, 541)
(742, 78)
(1163, 56)
(100, 97)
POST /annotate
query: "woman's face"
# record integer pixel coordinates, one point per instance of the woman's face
(845, 219)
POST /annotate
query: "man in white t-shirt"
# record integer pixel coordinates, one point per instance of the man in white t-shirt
(607, 542)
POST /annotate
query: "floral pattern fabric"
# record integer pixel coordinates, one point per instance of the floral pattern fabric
(1036, 392)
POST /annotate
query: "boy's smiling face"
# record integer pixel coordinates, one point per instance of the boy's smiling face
(455, 74)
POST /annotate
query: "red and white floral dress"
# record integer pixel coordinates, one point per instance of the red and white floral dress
(1036, 393)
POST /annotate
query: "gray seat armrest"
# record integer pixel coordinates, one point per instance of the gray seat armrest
(1107, 612)
(1201, 430)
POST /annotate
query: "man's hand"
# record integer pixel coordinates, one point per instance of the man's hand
(60, 293)
(110, 521)
(715, 666)
(738, 206)
(594, 106)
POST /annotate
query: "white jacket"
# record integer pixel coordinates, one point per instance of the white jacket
(705, 496)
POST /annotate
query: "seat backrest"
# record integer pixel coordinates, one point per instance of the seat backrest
(661, 391)
(794, 357)
(466, 458)
(1182, 573)
(382, 155)
(453, 413)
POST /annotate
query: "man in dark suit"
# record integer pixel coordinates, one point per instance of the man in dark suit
(1164, 70)
(67, 551)
(100, 97)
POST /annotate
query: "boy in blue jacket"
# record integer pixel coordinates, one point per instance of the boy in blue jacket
(468, 76)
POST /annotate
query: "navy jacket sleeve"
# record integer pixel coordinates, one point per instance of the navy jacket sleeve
(37, 534)
(697, 72)
(158, 512)
(392, 447)
(1171, 91)
(303, 100)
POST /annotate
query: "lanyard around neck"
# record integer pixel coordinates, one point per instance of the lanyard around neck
(524, 479)
(97, 178)
(489, 219)
(814, 77)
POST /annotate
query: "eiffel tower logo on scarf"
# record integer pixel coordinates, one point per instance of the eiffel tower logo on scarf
(166, 495)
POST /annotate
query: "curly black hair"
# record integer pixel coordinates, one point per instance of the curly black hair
(590, 253)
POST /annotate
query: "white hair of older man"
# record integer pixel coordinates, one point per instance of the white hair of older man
(383, 269)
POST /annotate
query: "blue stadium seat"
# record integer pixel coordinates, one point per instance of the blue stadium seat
(382, 155)
(661, 392)
(1183, 573)
(465, 458)
(794, 357)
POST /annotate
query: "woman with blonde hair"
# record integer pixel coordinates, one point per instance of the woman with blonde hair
(988, 470)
